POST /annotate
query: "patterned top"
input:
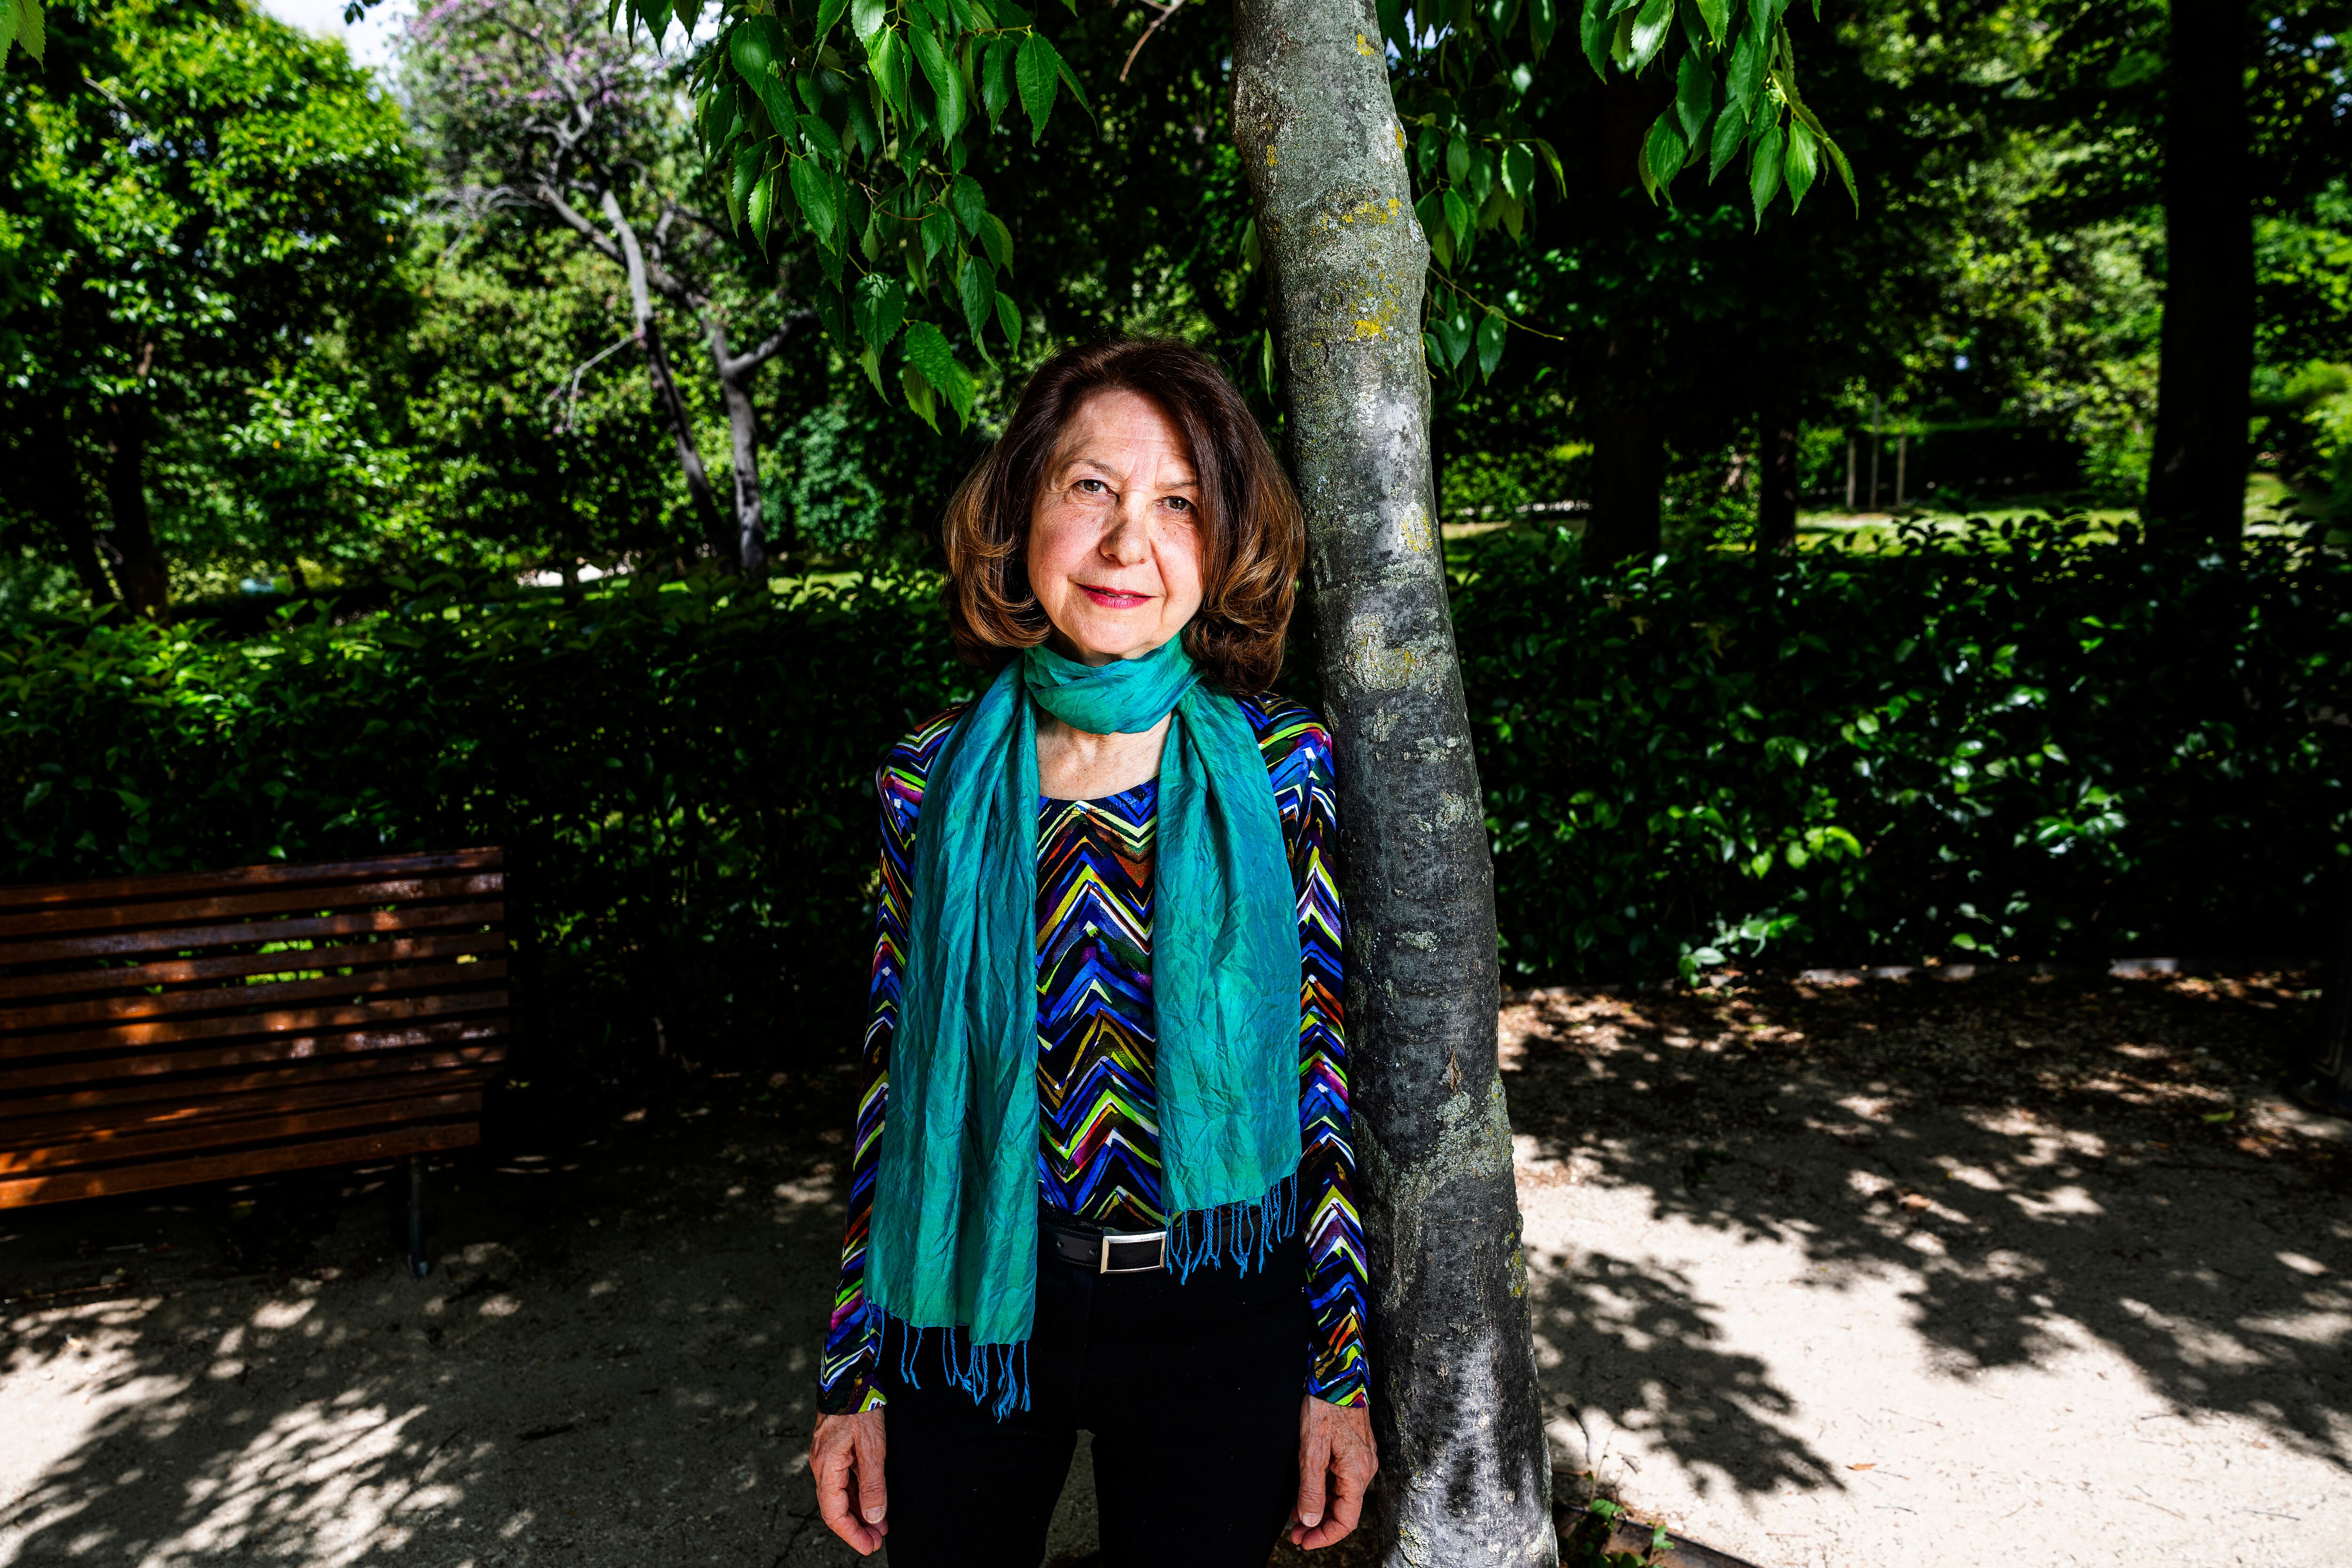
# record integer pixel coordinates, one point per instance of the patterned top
(1098, 1136)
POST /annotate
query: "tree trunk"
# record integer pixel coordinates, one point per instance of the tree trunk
(750, 550)
(42, 475)
(1776, 482)
(666, 401)
(2330, 1087)
(2197, 475)
(139, 566)
(1466, 1473)
(1629, 463)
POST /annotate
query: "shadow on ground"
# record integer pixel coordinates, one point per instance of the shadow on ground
(2044, 1166)
(612, 1362)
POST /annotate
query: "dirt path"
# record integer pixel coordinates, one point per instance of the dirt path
(1979, 1242)
(1948, 1275)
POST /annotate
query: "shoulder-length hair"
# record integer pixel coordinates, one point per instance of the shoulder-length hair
(1252, 534)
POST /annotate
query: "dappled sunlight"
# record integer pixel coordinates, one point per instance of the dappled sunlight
(609, 1364)
(1760, 1220)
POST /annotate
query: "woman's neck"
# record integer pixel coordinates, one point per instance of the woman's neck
(1074, 765)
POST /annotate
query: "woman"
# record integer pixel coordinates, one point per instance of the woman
(1102, 1176)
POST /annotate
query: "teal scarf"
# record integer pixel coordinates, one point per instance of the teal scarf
(954, 1239)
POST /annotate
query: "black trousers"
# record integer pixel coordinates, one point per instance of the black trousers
(1191, 1392)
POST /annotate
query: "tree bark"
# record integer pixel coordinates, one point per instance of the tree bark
(139, 566)
(734, 372)
(2197, 474)
(1629, 463)
(2330, 1087)
(1776, 482)
(667, 400)
(1466, 1473)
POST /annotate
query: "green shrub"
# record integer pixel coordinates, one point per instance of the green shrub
(2019, 744)
(2023, 745)
(684, 774)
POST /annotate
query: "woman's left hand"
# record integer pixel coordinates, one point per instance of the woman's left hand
(1335, 1441)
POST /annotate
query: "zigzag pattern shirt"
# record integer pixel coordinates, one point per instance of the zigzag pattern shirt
(1098, 1142)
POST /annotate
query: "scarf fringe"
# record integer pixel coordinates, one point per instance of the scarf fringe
(1243, 1233)
(996, 1377)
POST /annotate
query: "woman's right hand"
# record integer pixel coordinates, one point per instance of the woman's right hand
(846, 1458)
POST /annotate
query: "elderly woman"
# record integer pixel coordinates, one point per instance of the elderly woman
(1102, 1172)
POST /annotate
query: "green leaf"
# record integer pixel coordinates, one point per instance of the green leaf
(1694, 97)
(1455, 336)
(1008, 320)
(996, 78)
(968, 203)
(939, 233)
(997, 240)
(1651, 24)
(927, 350)
(1543, 21)
(1391, 16)
(821, 136)
(1551, 159)
(877, 308)
(977, 288)
(1729, 135)
(1457, 158)
(921, 395)
(1070, 78)
(1845, 172)
(7, 35)
(861, 122)
(1593, 30)
(814, 193)
(1764, 169)
(867, 17)
(1458, 219)
(762, 207)
(1034, 73)
(947, 88)
(1518, 171)
(1253, 257)
(1490, 343)
(1662, 154)
(1717, 14)
(1801, 162)
(828, 12)
(744, 174)
(1743, 79)
(755, 47)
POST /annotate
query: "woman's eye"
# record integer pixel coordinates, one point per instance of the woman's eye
(1178, 503)
(1093, 488)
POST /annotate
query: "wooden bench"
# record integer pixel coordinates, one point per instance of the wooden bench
(203, 1026)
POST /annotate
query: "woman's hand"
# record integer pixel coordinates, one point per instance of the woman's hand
(1334, 1440)
(846, 1458)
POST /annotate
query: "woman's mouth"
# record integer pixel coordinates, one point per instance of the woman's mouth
(1113, 599)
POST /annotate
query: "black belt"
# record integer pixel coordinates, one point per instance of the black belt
(1109, 1252)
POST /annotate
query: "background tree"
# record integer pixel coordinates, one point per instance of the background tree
(201, 195)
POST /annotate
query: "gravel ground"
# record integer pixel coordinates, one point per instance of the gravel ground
(1951, 1274)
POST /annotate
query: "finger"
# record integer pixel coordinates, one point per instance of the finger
(832, 1500)
(1314, 1461)
(873, 1487)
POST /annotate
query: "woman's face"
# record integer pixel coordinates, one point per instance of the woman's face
(1114, 546)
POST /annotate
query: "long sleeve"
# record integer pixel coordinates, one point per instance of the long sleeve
(851, 1339)
(1338, 1370)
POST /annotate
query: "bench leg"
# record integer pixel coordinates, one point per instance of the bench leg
(417, 1266)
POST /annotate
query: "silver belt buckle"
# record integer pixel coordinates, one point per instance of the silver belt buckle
(1103, 1263)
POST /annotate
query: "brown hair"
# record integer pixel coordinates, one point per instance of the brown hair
(1252, 534)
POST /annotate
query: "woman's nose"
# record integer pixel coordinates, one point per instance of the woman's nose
(1127, 540)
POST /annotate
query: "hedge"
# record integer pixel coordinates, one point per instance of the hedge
(2018, 744)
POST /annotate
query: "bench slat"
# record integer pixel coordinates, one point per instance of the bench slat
(215, 998)
(172, 970)
(216, 1135)
(77, 1097)
(18, 1133)
(281, 1049)
(54, 893)
(54, 923)
(69, 1184)
(140, 1036)
(183, 940)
